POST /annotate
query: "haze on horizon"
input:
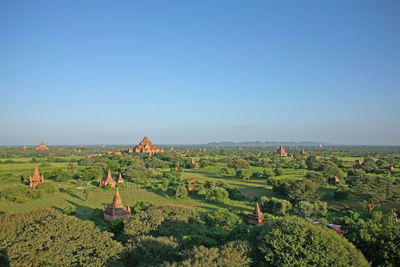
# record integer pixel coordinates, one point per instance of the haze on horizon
(185, 72)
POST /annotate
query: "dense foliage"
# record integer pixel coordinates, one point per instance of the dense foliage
(50, 238)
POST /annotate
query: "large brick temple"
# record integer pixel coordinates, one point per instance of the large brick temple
(42, 146)
(147, 147)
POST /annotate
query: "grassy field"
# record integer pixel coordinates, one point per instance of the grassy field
(71, 193)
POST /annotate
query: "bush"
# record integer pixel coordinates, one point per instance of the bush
(202, 256)
(146, 221)
(217, 194)
(181, 191)
(291, 241)
(116, 226)
(151, 251)
(50, 238)
(342, 192)
(141, 205)
(278, 172)
(235, 194)
(222, 217)
(274, 205)
(69, 210)
(311, 210)
(316, 177)
(303, 190)
(47, 187)
(279, 186)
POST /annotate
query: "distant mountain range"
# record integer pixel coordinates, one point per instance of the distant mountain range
(267, 143)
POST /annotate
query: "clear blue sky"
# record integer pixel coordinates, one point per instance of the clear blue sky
(110, 72)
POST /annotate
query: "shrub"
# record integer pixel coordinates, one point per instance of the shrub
(141, 205)
(146, 221)
(235, 194)
(300, 190)
(116, 226)
(151, 251)
(47, 187)
(311, 210)
(342, 192)
(217, 194)
(181, 191)
(274, 205)
(202, 256)
(279, 186)
(291, 241)
(222, 217)
(50, 238)
(69, 210)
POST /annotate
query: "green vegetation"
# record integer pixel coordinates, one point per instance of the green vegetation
(175, 222)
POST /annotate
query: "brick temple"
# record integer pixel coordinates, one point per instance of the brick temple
(120, 180)
(42, 146)
(107, 180)
(35, 179)
(281, 152)
(255, 217)
(117, 210)
(147, 147)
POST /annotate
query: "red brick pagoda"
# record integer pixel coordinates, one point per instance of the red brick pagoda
(120, 180)
(147, 147)
(36, 178)
(281, 152)
(255, 217)
(107, 180)
(117, 210)
(42, 146)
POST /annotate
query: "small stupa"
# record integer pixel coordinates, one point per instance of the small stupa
(255, 217)
(107, 180)
(120, 180)
(117, 210)
(36, 178)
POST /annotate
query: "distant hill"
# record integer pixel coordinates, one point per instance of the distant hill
(267, 143)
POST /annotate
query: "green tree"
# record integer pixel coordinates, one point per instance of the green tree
(369, 165)
(303, 190)
(181, 191)
(291, 241)
(378, 237)
(222, 217)
(217, 194)
(239, 164)
(49, 238)
(274, 205)
(373, 190)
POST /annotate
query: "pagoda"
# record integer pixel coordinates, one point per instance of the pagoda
(120, 180)
(281, 152)
(35, 179)
(147, 147)
(42, 146)
(196, 164)
(107, 180)
(255, 217)
(117, 210)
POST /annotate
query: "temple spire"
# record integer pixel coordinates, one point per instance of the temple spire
(117, 201)
(257, 211)
(36, 172)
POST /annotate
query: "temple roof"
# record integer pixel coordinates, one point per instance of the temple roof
(257, 211)
(120, 178)
(117, 201)
(36, 173)
(109, 177)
